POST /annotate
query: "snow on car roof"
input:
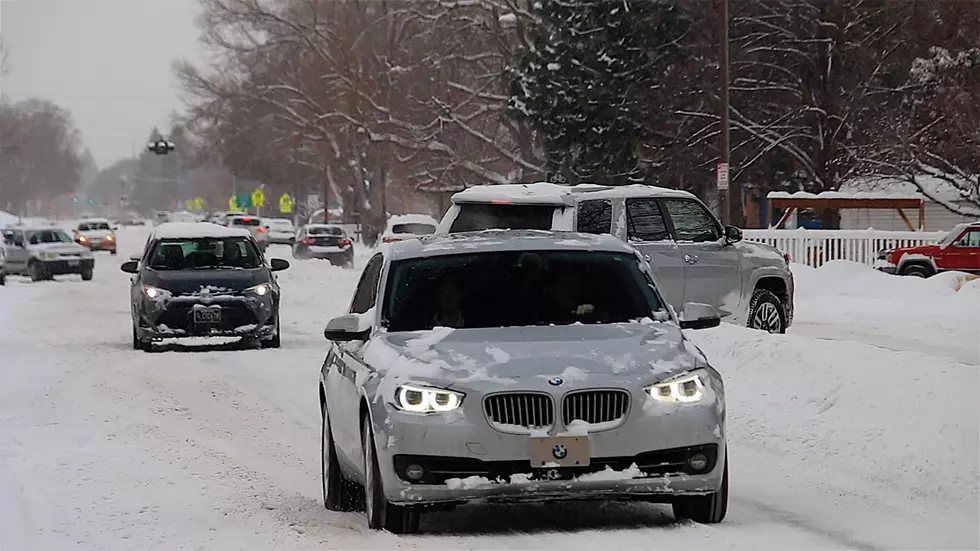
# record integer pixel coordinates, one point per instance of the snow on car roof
(93, 220)
(504, 240)
(396, 219)
(192, 230)
(557, 194)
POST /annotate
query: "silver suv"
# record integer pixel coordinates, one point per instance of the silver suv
(44, 252)
(696, 258)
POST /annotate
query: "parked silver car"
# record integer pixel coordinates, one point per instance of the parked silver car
(695, 258)
(44, 252)
(517, 366)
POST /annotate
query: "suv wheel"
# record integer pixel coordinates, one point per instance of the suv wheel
(86, 274)
(36, 271)
(916, 270)
(766, 312)
(382, 515)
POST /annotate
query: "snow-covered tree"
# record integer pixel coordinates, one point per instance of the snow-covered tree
(591, 81)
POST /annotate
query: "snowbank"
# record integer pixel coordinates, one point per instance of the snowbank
(849, 292)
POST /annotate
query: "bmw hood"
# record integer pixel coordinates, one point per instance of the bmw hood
(214, 282)
(578, 355)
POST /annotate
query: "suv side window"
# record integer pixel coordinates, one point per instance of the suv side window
(367, 287)
(692, 222)
(970, 239)
(645, 221)
(595, 216)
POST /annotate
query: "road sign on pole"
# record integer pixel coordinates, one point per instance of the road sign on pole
(722, 176)
(285, 204)
(258, 198)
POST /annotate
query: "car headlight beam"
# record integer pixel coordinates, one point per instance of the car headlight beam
(685, 389)
(152, 292)
(261, 289)
(416, 399)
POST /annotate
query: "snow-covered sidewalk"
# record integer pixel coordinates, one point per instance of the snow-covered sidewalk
(833, 444)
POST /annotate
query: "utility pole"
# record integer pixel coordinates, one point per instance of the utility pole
(724, 192)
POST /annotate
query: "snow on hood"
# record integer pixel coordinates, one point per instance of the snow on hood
(60, 248)
(205, 282)
(467, 358)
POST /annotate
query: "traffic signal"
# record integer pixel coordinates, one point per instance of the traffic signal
(91, 201)
(74, 199)
(161, 146)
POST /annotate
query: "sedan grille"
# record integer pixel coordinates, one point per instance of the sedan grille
(595, 406)
(526, 410)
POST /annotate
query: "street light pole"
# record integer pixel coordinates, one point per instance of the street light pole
(725, 146)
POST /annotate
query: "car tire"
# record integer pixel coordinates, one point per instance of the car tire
(137, 345)
(382, 515)
(36, 271)
(113, 252)
(86, 274)
(275, 341)
(766, 312)
(916, 270)
(3, 278)
(707, 509)
(339, 494)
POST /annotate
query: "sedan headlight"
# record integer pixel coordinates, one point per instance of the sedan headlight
(109, 237)
(684, 389)
(261, 289)
(426, 400)
(152, 292)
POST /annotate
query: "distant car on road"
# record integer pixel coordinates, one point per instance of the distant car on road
(958, 251)
(202, 279)
(696, 258)
(408, 226)
(255, 227)
(326, 241)
(281, 231)
(44, 252)
(96, 234)
(522, 366)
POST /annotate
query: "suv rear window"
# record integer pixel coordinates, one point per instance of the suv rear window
(245, 222)
(417, 229)
(484, 216)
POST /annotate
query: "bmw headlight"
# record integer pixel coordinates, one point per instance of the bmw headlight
(261, 289)
(684, 389)
(152, 292)
(426, 400)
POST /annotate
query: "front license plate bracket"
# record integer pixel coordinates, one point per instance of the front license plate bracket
(207, 316)
(560, 451)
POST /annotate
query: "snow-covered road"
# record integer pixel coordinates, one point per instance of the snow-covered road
(836, 441)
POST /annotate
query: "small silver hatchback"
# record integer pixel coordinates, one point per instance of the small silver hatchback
(508, 366)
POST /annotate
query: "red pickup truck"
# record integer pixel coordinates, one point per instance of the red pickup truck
(958, 251)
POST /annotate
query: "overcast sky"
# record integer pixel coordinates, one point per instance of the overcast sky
(108, 61)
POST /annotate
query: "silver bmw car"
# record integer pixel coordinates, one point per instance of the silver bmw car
(507, 366)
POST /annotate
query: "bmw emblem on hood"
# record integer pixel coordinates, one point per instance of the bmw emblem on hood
(555, 381)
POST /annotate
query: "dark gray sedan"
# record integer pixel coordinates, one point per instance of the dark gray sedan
(203, 280)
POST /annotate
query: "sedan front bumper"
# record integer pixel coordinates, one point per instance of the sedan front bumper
(240, 316)
(464, 458)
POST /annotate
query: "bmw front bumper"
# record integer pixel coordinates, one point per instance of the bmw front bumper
(464, 458)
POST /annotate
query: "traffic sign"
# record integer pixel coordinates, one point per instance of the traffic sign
(285, 203)
(232, 203)
(189, 204)
(199, 203)
(722, 176)
(258, 198)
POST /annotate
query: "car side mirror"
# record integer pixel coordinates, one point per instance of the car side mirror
(733, 234)
(699, 316)
(346, 328)
(278, 264)
(130, 267)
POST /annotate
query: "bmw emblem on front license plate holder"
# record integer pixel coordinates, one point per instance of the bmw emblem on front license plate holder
(560, 451)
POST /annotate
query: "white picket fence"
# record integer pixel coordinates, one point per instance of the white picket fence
(814, 247)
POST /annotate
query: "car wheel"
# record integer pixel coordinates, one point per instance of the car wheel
(708, 509)
(916, 270)
(382, 515)
(3, 278)
(275, 341)
(339, 494)
(37, 271)
(86, 275)
(137, 345)
(113, 252)
(766, 312)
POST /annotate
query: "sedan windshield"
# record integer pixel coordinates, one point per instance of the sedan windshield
(48, 236)
(517, 288)
(204, 253)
